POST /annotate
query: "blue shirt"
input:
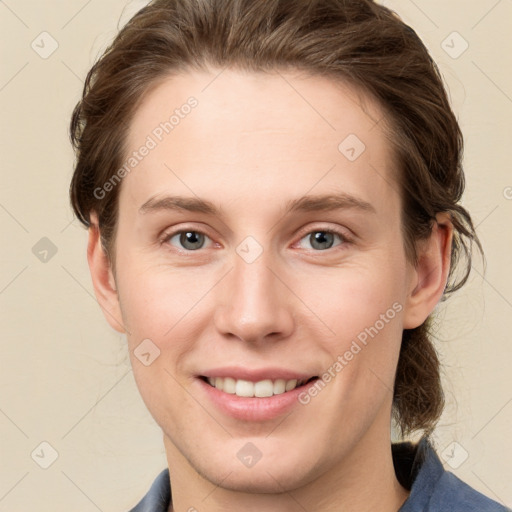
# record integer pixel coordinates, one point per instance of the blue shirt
(418, 469)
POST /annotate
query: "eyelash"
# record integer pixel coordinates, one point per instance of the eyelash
(345, 239)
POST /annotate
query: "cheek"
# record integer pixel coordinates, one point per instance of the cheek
(157, 302)
(160, 313)
(363, 308)
(350, 300)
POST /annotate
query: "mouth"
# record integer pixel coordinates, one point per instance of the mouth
(260, 389)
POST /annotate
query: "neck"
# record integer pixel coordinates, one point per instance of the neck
(364, 480)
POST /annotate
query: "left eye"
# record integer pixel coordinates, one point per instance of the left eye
(322, 239)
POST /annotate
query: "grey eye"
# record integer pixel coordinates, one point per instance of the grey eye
(322, 240)
(190, 240)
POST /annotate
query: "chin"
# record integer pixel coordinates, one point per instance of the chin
(276, 474)
(256, 481)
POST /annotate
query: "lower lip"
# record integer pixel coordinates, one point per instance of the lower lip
(254, 408)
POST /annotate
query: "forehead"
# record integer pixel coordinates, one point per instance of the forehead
(280, 132)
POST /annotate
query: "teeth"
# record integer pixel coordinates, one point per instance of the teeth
(229, 385)
(279, 386)
(264, 388)
(244, 388)
(291, 384)
(260, 389)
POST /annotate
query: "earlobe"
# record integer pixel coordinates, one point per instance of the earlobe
(103, 278)
(431, 273)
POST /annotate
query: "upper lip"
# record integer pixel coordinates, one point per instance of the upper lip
(256, 374)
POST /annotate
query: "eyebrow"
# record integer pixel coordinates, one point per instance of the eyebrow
(328, 202)
(340, 201)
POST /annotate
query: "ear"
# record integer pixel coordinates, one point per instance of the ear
(103, 277)
(430, 276)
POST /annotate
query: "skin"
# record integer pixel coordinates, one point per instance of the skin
(252, 144)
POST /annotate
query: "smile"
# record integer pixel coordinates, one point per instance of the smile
(260, 389)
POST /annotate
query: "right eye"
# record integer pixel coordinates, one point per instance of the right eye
(189, 240)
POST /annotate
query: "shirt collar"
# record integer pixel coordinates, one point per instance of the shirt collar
(418, 469)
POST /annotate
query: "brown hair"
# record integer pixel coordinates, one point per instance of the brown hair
(355, 41)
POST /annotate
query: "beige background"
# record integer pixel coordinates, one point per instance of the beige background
(65, 376)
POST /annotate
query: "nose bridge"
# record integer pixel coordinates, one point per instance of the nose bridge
(254, 284)
(255, 302)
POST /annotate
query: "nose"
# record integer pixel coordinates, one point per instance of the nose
(256, 302)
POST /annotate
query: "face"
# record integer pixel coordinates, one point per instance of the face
(259, 247)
